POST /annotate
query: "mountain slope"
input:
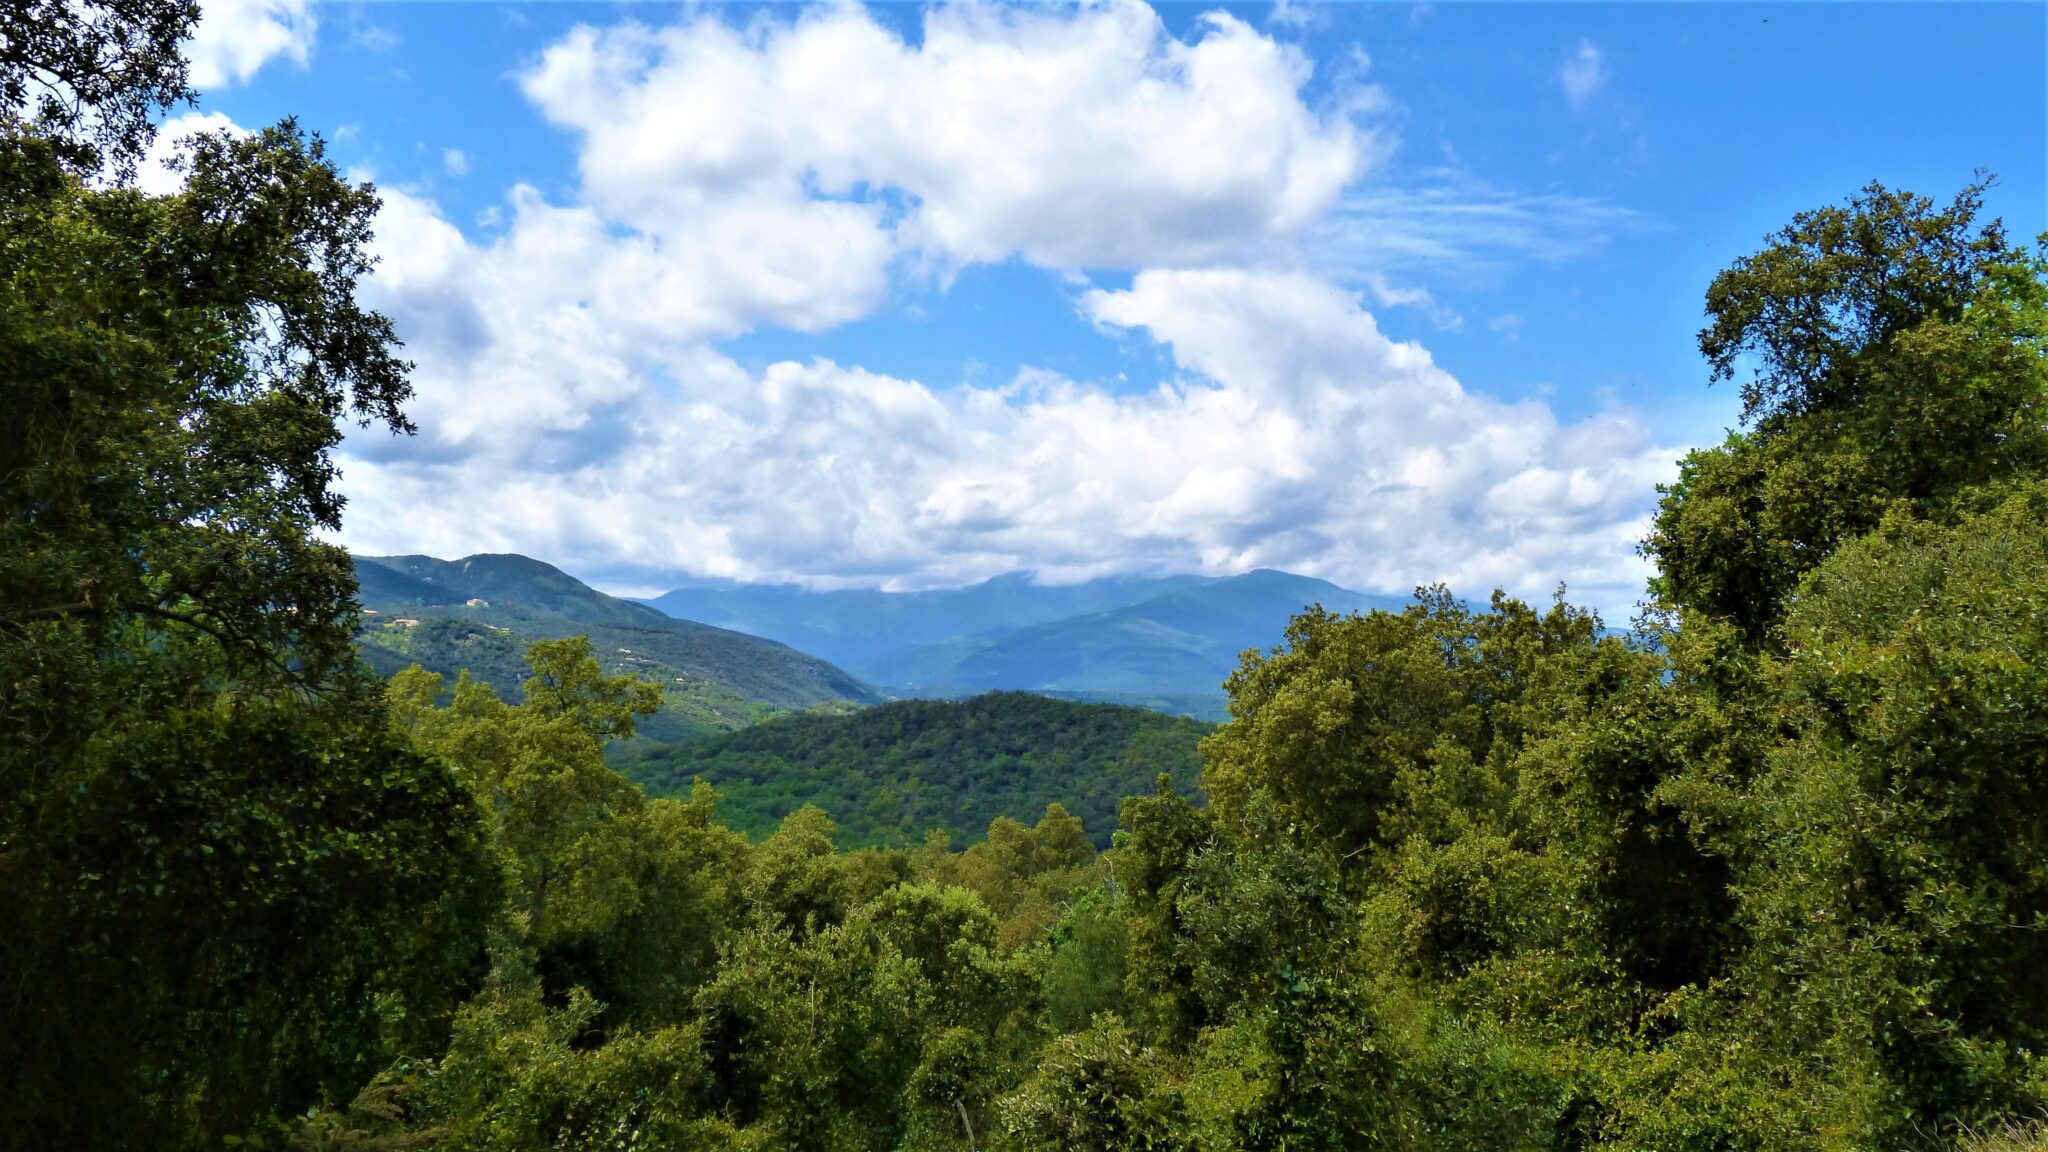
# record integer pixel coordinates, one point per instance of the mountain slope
(887, 774)
(378, 584)
(715, 679)
(523, 581)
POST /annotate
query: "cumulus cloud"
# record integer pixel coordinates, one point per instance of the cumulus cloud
(1300, 437)
(1082, 138)
(562, 305)
(574, 406)
(1402, 473)
(777, 174)
(236, 38)
(1583, 74)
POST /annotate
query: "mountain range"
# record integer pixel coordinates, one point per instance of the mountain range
(855, 626)
(731, 654)
(1167, 642)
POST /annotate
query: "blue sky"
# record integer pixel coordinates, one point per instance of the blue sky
(910, 296)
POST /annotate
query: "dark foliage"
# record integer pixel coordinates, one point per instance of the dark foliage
(1899, 362)
(229, 893)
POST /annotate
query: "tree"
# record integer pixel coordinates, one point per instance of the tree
(1470, 795)
(1849, 725)
(576, 838)
(1900, 356)
(229, 892)
(86, 76)
(1890, 863)
(175, 370)
(1024, 875)
(1097, 1091)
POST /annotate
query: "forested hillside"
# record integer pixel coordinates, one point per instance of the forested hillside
(889, 774)
(1767, 875)
(478, 615)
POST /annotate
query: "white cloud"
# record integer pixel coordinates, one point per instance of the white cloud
(1081, 138)
(562, 281)
(1583, 74)
(1405, 475)
(372, 37)
(1301, 437)
(456, 161)
(719, 168)
(784, 173)
(236, 38)
(1289, 14)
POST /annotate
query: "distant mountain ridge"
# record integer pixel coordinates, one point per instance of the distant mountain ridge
(857, 625)
(1169, 638)
(1183, 641)
(715, 679)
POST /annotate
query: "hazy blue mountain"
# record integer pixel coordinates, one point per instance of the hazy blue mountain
(1183, 641)
(1208, 707)
(856, 627)
(715, 679)
(1166, 643)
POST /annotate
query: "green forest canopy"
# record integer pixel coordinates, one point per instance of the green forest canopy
(1769, 875)
(889, 774)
